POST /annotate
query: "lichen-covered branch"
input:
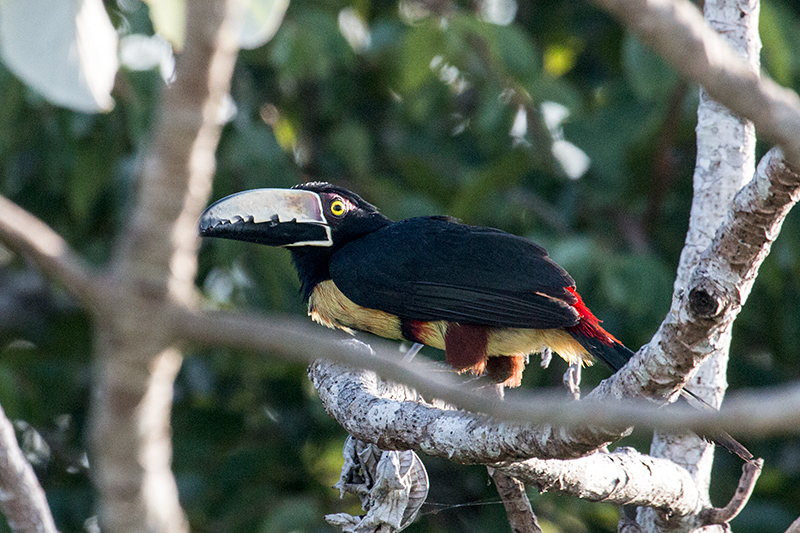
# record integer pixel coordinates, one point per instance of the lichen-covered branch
(725, 161)
(717, 289)
(623, 477)
(379, 412)
(396, 417)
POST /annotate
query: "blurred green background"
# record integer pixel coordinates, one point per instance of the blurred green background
(457, 112)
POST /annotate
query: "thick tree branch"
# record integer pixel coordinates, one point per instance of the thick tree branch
(378, 412)
(623, 477)
(717, 289)
(676, 30)
(725, 161)
(154, 265)
(757, 413)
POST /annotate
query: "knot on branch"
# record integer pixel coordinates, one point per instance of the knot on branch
(709, 298)
(704, 304)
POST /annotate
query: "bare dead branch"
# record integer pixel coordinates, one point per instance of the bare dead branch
(765, 412)
(623, 477)
(676, 30)
(719, 516)
(31, 237)
(515, 500)
(22, 499)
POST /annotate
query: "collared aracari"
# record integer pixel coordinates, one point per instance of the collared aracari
(486, 297)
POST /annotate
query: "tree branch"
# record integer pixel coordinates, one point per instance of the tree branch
(622, 477)
(29, 236)
(794, 527)
(718, 516)
(765, 412)
(717, 289)
(675, 29)
(22, 499)
(515, 500)
(378, 412)
(156, 264)
(725, 161)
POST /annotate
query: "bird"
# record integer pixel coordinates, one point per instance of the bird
(486, 297)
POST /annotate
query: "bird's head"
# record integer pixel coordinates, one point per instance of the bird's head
(313, 220)
(311, 215)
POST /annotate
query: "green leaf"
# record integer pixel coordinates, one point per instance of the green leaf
(310, 46)
(518, 53)
(649, 75)
(778, 50)
(352, 143)
(421, 45)
(87, 181)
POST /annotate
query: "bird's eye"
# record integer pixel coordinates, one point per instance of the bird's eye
(337, 208)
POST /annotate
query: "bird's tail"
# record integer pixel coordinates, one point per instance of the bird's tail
(598, 342)
(603, 346)
(717, 436)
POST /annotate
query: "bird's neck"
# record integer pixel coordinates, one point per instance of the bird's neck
(312, 268)
(312, 262)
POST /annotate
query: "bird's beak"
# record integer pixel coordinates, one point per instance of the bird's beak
(275, 217)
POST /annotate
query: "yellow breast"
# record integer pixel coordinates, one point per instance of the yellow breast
(330, 307)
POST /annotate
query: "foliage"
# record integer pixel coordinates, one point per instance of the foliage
(424, 118)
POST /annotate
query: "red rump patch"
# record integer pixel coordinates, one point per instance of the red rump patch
(465, 347)
(506, 370)
(589, 325)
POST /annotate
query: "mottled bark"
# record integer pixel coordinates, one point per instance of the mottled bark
(22, 499)
(725, 162)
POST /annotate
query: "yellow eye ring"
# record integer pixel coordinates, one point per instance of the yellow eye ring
(337, 208)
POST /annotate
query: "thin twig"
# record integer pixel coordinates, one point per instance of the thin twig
(747, 482)
(520, 515)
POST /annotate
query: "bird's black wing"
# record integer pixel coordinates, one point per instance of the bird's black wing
(431, 268)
